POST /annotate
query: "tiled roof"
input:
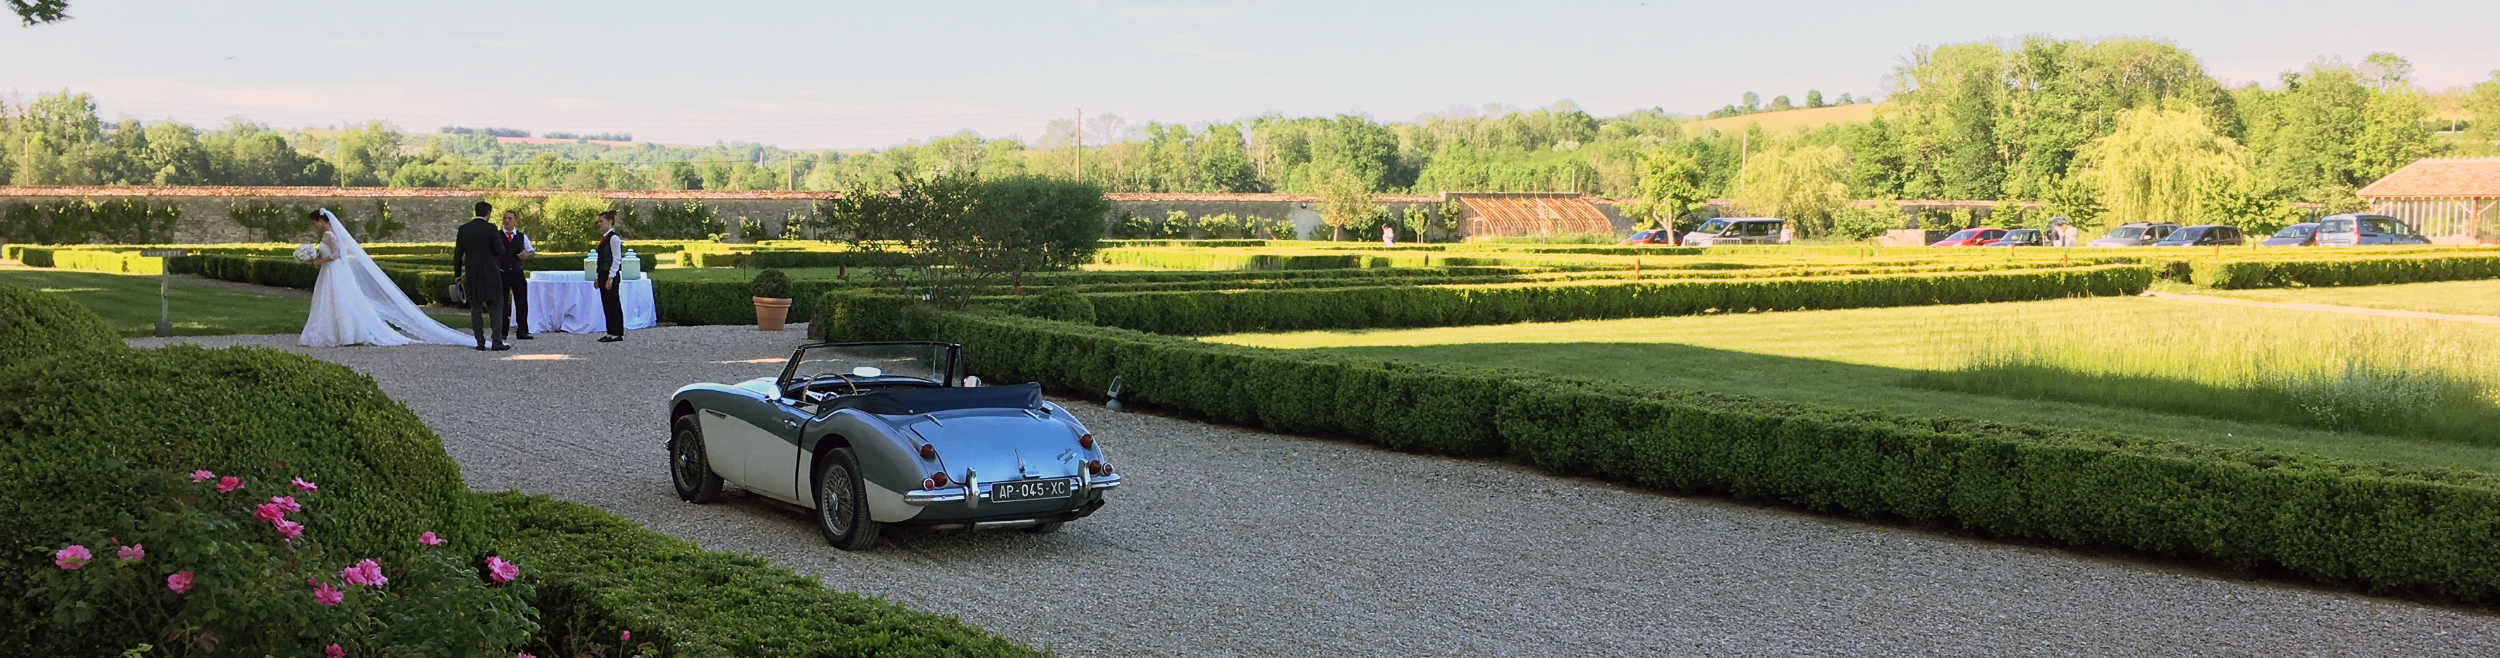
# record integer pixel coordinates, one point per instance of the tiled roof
(2440, 178)
(1531, 214)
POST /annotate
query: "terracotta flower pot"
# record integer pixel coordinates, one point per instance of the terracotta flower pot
(771, 312)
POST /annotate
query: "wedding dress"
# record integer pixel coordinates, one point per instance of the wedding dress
(353, 303)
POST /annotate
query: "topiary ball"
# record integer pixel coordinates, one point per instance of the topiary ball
(771, 284)
(35, 323)
(1059, 303)
(80, 434)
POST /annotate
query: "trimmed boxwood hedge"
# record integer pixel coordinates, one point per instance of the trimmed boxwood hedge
(34, 323)
(2346, 271)
(1215, 312)
(598, 574)
(78, 429)
(2380, 526)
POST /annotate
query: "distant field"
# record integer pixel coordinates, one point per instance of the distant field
(1865, 358)
(1788, 119)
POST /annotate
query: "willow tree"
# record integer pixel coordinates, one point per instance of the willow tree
(2161, 165)
(1803, 185)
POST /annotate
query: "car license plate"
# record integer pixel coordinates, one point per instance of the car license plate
(1008, 492)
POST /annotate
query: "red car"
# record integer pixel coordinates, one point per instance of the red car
(1652, 236)
(1971, 237)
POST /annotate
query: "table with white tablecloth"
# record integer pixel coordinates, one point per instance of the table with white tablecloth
(562, 300)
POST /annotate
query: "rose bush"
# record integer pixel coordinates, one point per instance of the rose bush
(203, 569)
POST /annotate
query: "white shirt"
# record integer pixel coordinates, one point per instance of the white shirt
(616, 265)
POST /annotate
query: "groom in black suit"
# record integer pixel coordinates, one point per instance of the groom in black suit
(478, 253)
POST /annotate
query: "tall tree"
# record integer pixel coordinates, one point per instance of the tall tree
(1670, 187)
(1803, 185)
(2163, 165)
(368, 153)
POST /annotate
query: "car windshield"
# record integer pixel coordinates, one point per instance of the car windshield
(2335, 226)
(2128, 232)
(920, 364)
(2296, 231)
(1712, 226)
(2184, 235)
(2022, 234)
(1964, 234)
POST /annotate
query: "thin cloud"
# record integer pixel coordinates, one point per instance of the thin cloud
(1213, 54)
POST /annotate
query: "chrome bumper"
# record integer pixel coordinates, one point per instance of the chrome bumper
(962, 493)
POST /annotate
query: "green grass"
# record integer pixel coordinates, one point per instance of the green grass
(1864, 358)
(129, 304)
(2451, 297)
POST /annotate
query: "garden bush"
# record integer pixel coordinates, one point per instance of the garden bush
(2380, 526)
(1215, 312)
(600, 575)
(77, 431)
(2328, 270)
(1060, 304)
(34, 323)
(770, 284)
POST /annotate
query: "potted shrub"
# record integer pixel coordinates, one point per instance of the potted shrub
(771, 289)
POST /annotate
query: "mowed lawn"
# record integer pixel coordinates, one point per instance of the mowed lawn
(1860, 358)
(2450, 297)
(129, 304)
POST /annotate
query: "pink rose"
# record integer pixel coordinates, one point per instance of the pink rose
(286, 503)
(365, 573)
(290, 529)
(133, 552)
(228, 484)
(501, 571)
(269, 512)
(324, 594)
(202, 476)
(180, 582)
(429, 539)
(627, 636)
(333, 651)
(306, 487)
(76, 556)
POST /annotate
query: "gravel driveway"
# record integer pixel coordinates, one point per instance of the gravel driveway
(1230, 542)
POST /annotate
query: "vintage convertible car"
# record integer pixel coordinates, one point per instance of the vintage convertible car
(867, 434)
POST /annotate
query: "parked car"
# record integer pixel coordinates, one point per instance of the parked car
(870, 434)
(2022, 237)
(2304, 234)
(2136, 234)
(1736, 230)
(2203, 235)
(2364, 230)
(1970, 237)
(1651, 236)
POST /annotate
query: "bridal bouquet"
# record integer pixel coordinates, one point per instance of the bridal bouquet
(307, 252)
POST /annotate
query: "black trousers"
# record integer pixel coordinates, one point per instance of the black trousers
(485, 290)
(516, 290)
(614, 306)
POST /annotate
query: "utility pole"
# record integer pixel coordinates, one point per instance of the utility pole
(1080, 145)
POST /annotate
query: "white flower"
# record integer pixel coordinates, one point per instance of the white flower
(307, 252)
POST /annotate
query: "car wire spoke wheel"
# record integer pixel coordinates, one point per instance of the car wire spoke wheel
(689, 469)
(841, 502)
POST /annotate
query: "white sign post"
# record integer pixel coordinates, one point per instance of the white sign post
(164, 280)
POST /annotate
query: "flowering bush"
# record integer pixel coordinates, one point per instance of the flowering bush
(208, 570)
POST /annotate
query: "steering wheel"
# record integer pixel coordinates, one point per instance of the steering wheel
(810, 386)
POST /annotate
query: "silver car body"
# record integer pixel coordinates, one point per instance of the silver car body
(2135, 234)
(2364, 230)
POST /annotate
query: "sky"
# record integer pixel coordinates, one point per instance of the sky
(870, 75)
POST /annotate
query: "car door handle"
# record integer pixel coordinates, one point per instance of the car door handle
(792, 424)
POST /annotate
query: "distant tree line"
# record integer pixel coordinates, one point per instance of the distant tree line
(1752, 104)
(2086, 128)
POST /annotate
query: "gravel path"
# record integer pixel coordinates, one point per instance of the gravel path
(1229, 542)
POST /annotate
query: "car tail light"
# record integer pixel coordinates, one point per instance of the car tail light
(928, 451)
(928, 484)
(1086, 441)
(1094, 467)
(937, 479)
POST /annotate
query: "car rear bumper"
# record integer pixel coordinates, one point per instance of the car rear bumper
(962, 494)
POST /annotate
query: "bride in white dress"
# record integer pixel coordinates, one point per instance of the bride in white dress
(353, 303)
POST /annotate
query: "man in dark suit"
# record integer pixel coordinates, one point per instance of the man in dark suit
(516, 282)
(475, 260)
(611, 275)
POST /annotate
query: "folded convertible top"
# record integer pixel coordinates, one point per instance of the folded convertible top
(908, 401)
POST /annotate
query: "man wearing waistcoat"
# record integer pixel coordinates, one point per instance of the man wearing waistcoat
(611, 275)
(516, 283)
